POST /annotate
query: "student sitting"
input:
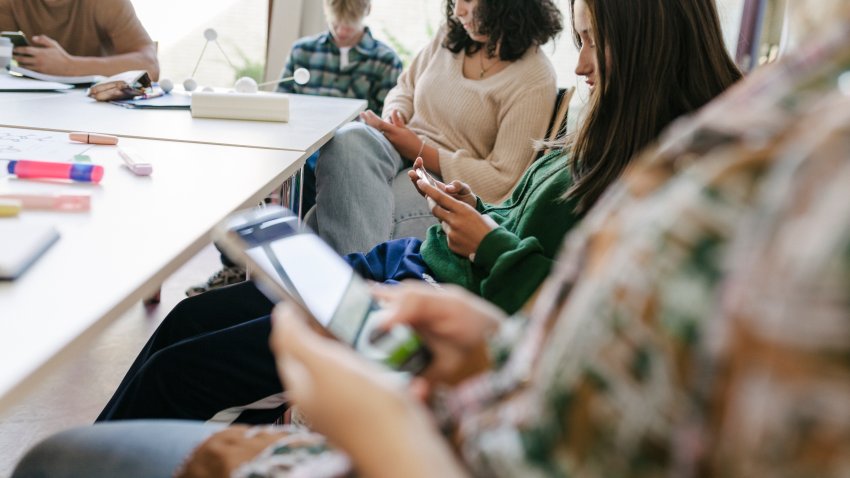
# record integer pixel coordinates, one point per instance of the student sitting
(697, 325)
(80, 37)
(209, 359)
(470, 104)
(344, 62)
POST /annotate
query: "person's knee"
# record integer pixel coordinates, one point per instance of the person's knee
(181, 323)
(47, 459)
(353, 136)
(354, 147)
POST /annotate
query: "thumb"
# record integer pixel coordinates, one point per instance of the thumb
(292, 337)
(458, 187)
(44, 40)
(398, 120)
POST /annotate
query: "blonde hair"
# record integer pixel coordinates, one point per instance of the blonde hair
(348, 10)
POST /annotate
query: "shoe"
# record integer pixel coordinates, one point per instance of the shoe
(226, 276)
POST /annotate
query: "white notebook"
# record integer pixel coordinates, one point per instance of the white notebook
(68, 80)
(21, 244)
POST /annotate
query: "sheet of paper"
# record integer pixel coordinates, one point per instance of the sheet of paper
(14, 83)
(38, 145)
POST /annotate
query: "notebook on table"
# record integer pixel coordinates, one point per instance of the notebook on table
(21, 244)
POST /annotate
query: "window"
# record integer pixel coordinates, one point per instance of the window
(178, 28)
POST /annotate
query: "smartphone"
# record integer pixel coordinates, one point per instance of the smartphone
(288, 262)
(423, 175)
(17, 38)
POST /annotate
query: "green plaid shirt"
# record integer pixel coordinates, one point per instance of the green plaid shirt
(371, 73)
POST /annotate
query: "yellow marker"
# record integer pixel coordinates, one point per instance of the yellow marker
(10, 207)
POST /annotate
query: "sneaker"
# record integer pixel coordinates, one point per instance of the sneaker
(226, 276)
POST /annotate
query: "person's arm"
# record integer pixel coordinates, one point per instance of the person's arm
(516, 266)
(133, 48)
(47, 56)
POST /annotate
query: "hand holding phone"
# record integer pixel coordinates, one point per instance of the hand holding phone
(290, 263)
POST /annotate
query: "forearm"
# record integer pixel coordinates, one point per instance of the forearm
(111, 65)
(431, 158)
(418, 451)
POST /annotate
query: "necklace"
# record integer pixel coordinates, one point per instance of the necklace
(485, 70)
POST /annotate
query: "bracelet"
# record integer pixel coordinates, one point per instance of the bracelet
(422, 148)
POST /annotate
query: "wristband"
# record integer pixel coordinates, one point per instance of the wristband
(421, 148)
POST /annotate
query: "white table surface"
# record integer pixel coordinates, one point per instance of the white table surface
(7, 96)
(138, 232)
(313, 120)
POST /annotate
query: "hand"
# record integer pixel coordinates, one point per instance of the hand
(458, 190)
(405, 141)
(220, 454)
(464, 226)
(356, 404)
(453, 322)
(47, 56)
(321, 374)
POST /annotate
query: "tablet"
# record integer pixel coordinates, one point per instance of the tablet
(21, 244)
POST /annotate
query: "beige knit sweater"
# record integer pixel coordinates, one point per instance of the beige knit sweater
(483, 129)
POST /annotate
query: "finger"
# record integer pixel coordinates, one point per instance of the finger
(418, 163)
(370, 118)
(289, 329)
(441, 214)
(25, 50)
(295, 339)
(442, 199)
(397, 118)
(44, 40)
(458, 187)
(410, 302)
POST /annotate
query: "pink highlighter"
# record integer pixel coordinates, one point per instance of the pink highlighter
(50, 202)
(28, 169)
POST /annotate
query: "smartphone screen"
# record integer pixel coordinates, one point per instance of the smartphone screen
(305, 269)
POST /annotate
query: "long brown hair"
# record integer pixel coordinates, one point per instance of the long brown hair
(657, 60)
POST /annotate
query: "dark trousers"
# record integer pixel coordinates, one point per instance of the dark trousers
(210, 356)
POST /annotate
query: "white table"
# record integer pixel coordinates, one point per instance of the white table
(313, 121)
(139, 231)
(7, 96)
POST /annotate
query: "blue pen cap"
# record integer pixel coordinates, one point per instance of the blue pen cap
(84, 173)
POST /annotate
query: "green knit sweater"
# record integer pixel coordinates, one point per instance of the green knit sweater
(513, 259)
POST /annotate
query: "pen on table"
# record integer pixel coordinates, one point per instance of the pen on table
(29, 169)
(52, 202)
(93, 138)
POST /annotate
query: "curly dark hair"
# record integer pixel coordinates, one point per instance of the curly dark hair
(513, 26)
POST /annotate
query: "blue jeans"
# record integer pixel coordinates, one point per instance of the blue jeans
(357, 205)
(133, 449)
